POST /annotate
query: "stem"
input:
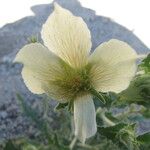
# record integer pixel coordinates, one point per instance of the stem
(106, 120)
(85, 146)
(72, 144)
(103, 117)
(45, 106)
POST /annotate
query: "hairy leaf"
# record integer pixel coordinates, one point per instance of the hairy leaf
(144, 139)
(145, 65)
(138, 92)
(61, 106)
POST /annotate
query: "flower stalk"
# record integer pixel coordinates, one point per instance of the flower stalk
(72, 144)
(106, 121)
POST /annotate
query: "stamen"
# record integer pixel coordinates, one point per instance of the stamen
(74, 82)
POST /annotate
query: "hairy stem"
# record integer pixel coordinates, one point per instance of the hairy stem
(72, 144)
(103, 117)
(85, 146)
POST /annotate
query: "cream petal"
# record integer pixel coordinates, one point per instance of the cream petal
(33, 84)
(84, 117)
(114, 65)
(40, 66)
(67, 36)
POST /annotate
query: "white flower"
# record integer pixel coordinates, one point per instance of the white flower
(65, 70)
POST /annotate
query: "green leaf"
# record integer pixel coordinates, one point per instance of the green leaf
(134, 118)
(29, 147)
(109, 97)
(121, 134)
(145, 65)
(111, 132)
(98, 95)
(33, 39)
(138, 92)
(144, 139)
(111, 117)
(41, 124)
(146, 113)
(61, 106)
(10, 146)
(27, 110)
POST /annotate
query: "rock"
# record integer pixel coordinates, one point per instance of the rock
(13, 36)
(3, 114)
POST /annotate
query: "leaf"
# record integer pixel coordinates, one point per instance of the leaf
(138, 92)
(98, 95)
(111, 117)
(10, 146)
(134, 118)
(33, 39)
(61, 106)
(146, 113)
(109, 97)
(34, 116)
(122, 134)
(144, 139)
(145, 65)
(111, 132)
(46, 131)
(55, 140)
(29, 147)
(27, 110)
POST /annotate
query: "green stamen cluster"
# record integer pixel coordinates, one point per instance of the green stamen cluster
(74, 82)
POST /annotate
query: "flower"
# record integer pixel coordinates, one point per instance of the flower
(65, 70)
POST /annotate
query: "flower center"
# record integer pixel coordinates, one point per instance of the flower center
(74, 82)
(80, 82)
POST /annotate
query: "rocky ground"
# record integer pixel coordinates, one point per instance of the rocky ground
(13, 36)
